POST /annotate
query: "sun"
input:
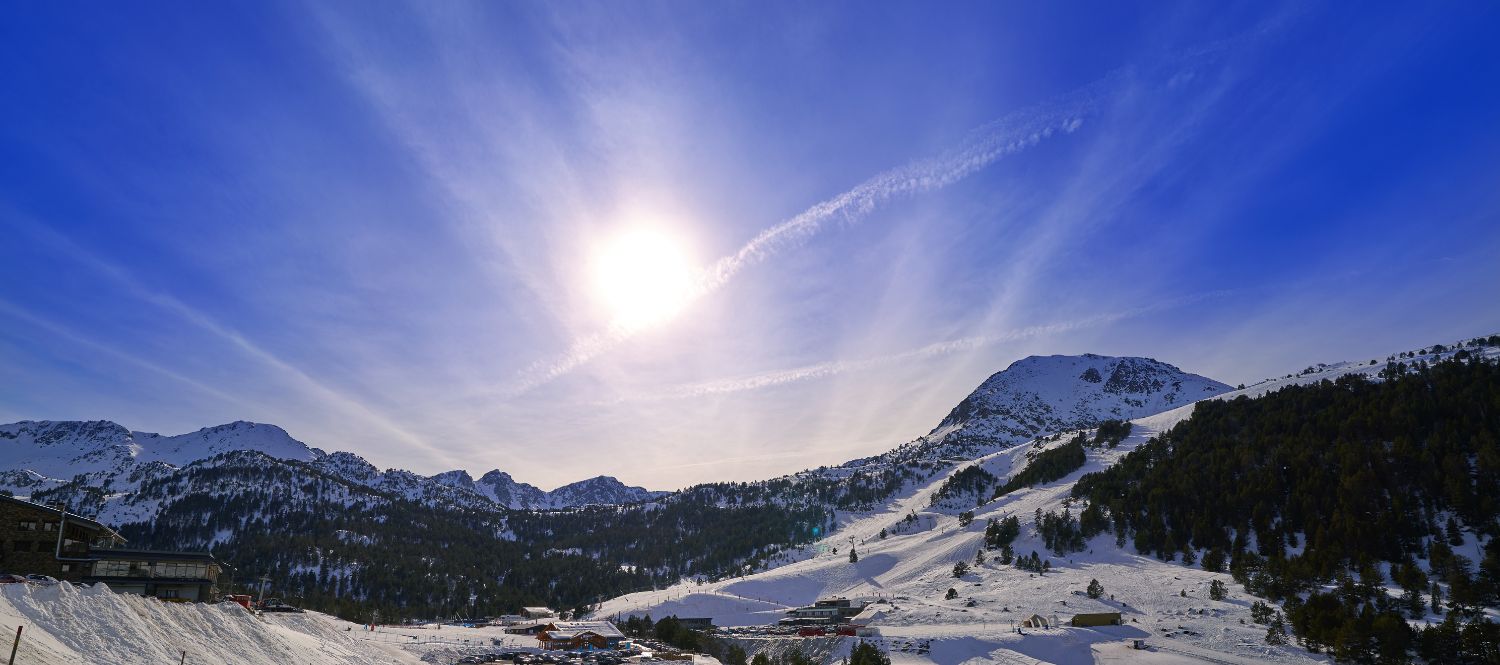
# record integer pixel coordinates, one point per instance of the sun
(643, 277)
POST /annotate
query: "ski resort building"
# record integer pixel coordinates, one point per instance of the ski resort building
(525, 628)
(538, 612)
(38, 539)
(586, 635)
(186, 576)
(1096, 619)
(828, 610)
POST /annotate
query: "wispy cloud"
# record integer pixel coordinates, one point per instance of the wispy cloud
(326, 394)
(53, 328)
(936, 349)
(984, 146)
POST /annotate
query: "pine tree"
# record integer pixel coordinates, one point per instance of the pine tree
(1095, 589)
(1276, 632)
(960, 569)
(853, 556)
(1217, 591)
(866, 653)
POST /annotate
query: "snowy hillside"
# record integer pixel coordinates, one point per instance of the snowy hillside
(907, 549)
(911, 570)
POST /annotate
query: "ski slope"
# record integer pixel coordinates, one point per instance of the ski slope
(1165, 603)
(911, 571)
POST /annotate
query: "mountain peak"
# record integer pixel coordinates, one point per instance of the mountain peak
(1038, 395)
(455, 478)
(600, 490)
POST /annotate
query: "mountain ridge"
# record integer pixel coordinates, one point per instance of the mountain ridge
(45, 454)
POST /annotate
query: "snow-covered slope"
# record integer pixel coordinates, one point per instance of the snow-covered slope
(910, 568)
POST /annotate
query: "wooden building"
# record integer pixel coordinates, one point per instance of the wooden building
(581, 635)
(37, 539)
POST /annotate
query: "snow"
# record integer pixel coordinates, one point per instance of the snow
(907, 573)
(910, 572)
(64, 625)
(67, 625)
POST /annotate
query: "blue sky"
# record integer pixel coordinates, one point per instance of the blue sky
(380, 225)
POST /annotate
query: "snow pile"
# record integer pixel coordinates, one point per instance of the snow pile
(65, 625)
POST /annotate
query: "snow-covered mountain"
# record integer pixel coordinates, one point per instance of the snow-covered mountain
(1054, 393)
(43, 454)
(600, 490)
(112, 460)
(499, 487)
(1040, 395)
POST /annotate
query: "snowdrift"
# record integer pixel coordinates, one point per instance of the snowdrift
(66, 625)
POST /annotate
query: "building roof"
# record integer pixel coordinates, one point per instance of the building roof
(154, 555)
(536, 610)
(72, 517)
(565, 629)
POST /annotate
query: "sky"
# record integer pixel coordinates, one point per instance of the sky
(681, 242)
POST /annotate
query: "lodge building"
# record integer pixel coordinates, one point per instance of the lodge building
(37, 539)
(581, 635)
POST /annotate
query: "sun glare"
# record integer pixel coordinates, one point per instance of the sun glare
(643, 277)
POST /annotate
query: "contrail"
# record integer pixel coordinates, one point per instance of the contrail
(984, 146)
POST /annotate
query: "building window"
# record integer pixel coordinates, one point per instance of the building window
(167, 593)
(114, 569)
(180, 570)
(28, 525)
(67, 567)
(23, 546)
(48, 526)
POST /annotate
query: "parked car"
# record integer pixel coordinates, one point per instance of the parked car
(44, 580)
(276, 605)
(7, 578)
